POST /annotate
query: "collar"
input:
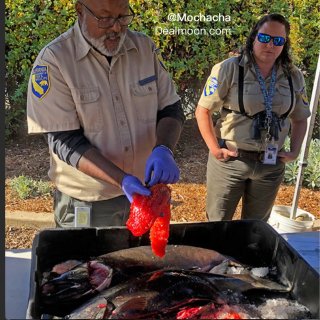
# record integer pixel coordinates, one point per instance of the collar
(245, 61)
(83, 46)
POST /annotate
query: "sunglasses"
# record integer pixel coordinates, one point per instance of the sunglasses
(266, 38)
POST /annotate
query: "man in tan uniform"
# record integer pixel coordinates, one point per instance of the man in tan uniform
(260, 95)
(111, 114)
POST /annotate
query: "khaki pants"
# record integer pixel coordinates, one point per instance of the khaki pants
(255, 182)
(113, 212)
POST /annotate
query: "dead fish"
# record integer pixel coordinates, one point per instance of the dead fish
(73, 280)
(163, 293)
(134, 261)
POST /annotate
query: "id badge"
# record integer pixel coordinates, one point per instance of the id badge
(82, 216)
(270, 154)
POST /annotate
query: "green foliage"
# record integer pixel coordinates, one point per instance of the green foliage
(189, 57)
(29, 25)
(311, 174)
(312, 171)
(26, 187)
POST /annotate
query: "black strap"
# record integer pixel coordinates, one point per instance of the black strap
(240, 91)
(291, 91)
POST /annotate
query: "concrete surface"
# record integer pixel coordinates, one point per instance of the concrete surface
(32, 219)
(17, 271)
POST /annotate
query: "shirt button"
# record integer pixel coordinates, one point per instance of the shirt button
(149, 88)
(117, 98)
(126, 149)
(122, 122)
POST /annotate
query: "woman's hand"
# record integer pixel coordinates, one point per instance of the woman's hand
(224, 154)
(287, 156)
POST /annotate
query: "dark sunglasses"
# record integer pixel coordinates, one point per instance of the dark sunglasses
(108, 22)
(266, 38)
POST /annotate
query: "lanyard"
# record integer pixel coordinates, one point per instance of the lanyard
(267, 96)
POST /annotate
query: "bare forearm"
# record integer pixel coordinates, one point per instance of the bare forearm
(298, 130)
(168, 132)
(94, 164)
(206, 128)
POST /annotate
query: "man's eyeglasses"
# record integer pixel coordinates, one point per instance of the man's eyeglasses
(108, 22)
(266, 38)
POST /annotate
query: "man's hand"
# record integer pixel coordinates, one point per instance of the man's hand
(131, 185)
(161, 167)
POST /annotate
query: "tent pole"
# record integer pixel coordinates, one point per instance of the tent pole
(307, 139)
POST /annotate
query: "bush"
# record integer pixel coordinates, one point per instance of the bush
(189, 58)
(311, 174)
(26, 187)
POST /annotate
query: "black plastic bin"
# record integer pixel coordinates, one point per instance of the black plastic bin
(251, 242)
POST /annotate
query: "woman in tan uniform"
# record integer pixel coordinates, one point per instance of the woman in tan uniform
(260, 96)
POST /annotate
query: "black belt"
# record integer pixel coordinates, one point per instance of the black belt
(252, 155)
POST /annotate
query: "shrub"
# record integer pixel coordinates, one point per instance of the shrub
(26, 187)
(29, 25)
(311, 173)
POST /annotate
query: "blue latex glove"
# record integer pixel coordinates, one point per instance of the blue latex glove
(131, 185)
(161, 167)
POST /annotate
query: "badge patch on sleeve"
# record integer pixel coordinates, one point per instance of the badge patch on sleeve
(40, 81)
(211, 86)
(304, 97)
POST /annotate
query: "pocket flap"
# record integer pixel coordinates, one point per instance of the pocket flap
(143, 90)
(85, 95)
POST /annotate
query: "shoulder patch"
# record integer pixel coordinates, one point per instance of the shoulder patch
(304, 97)
(160, 58)
(211, 86)
(40, 81)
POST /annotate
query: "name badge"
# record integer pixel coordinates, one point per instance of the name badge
(270, 154)
(82, 216)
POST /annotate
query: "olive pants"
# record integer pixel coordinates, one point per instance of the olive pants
(113, 212)
(255, 182)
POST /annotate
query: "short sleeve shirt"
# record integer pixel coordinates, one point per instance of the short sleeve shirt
(72, 86)
(221, 94)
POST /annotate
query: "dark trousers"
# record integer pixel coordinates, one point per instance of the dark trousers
(112, 212)
(255, 182)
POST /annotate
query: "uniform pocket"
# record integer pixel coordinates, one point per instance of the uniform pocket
(89, 107)
(145, 98)
(252, 98)
(251, 88)
(283, 100)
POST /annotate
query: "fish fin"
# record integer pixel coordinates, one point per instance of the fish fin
(260, 283)
(220, 268)
(135, 304)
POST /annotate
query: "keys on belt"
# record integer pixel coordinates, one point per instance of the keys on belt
(252, 155)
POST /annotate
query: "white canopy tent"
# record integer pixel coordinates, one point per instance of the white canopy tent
(306, 142)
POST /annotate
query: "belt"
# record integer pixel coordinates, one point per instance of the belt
(252, 155)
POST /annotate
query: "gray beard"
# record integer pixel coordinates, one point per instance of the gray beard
(98, 44)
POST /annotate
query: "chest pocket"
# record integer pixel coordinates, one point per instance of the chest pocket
(145, 98)
(88, 107)
(282, 100)
(252, 97)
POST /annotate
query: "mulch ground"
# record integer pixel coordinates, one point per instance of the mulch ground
(29, 156)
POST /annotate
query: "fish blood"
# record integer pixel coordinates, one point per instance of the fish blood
(152, 213)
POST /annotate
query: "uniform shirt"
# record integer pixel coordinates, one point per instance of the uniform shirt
(221, 91)
(72, 86)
